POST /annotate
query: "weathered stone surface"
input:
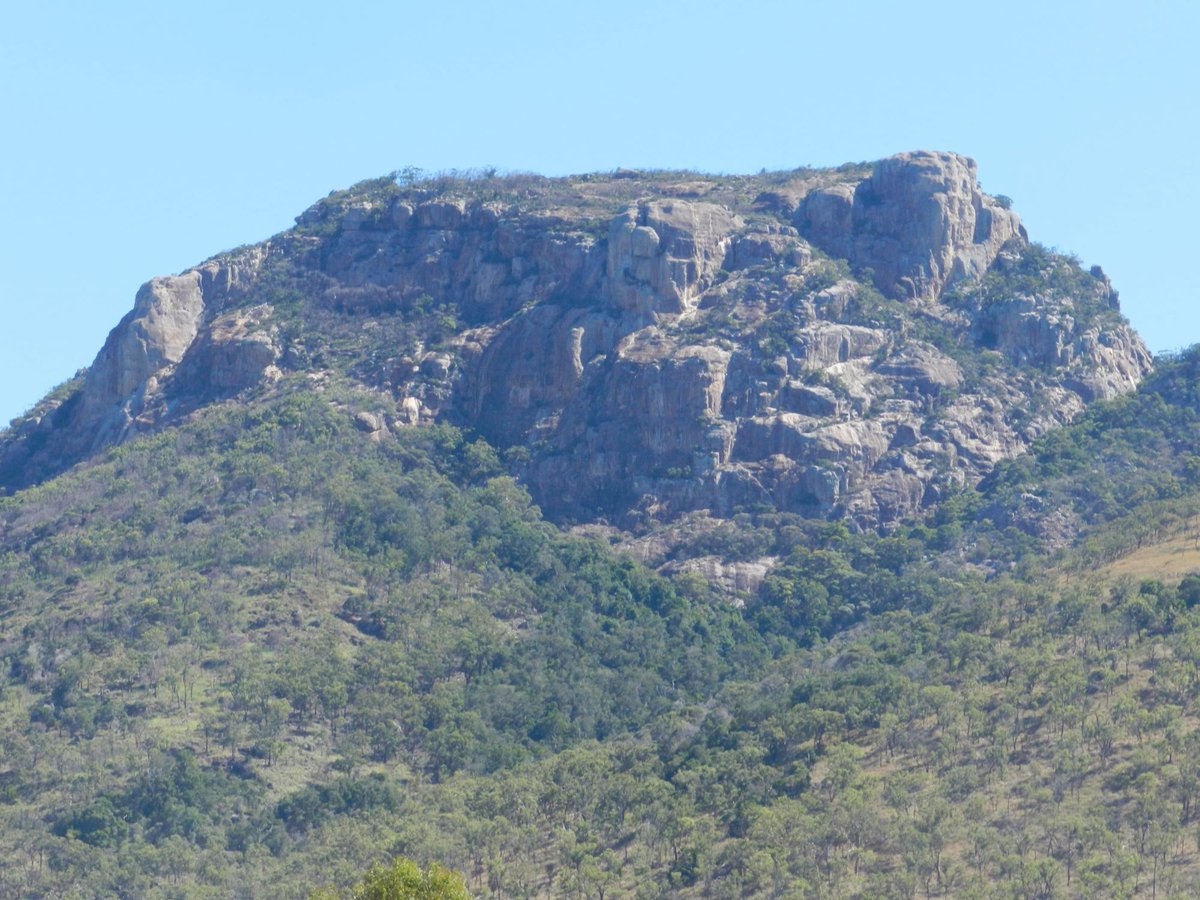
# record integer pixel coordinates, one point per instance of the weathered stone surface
(1115, 360)
(735, 580)
(826, 344)
(1102, 362)
(922, 370)
(444, 215)
(808, 399)
(132, 374)
(485, 261)
(768, 245)
(367, 422)
(643, 417)
(631, 416)
(132, 385)
(919, 222)
(892, 495)
(649, 356)
(236, 351)
(663, 253)
(165, 319)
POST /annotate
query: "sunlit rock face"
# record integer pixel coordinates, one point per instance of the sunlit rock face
(850, 342)
(919, 223)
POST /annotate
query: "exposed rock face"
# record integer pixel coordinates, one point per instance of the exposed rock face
(154, 336)
(176, 324)
(645, 415)
(479, 258)
(663, 254)
(650, 348)
(236, 351)
(172, 345)
(919, 222)
(1107, 362)
(921, 371)
(736, 580)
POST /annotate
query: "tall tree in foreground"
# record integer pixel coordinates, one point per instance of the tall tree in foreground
(403, 880)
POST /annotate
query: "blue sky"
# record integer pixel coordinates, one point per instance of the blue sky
(140, 138)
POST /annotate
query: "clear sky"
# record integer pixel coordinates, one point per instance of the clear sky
(139, 138)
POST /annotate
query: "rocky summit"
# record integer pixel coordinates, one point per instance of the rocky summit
(850, 342)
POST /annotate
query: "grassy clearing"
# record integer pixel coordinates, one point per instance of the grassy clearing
(1167, 560)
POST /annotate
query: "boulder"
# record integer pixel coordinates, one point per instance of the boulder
(735, 580)
(808, 399)
(826, 344)
(919, 222)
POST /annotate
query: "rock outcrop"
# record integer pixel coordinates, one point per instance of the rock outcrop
(176, 323)
(172, 352)
(165, 319)
(646, 347)
(919, 223)
(237, 350)
(664, 253)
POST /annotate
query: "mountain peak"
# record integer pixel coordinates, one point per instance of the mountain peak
(850, 341)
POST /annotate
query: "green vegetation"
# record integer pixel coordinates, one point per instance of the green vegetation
(1126, 471)
(404, 880)
(260, 653)
(247, 647)
(1028, 271)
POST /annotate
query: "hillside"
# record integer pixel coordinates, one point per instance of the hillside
(646, 534)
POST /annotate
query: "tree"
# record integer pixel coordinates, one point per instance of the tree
(1189, 589)
(403, 880)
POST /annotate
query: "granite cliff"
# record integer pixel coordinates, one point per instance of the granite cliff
(851, 342)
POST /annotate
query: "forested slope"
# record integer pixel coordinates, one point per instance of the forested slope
(229, 672)
(214, 644)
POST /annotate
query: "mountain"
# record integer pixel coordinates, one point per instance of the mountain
(802, 534)
(850, 343)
